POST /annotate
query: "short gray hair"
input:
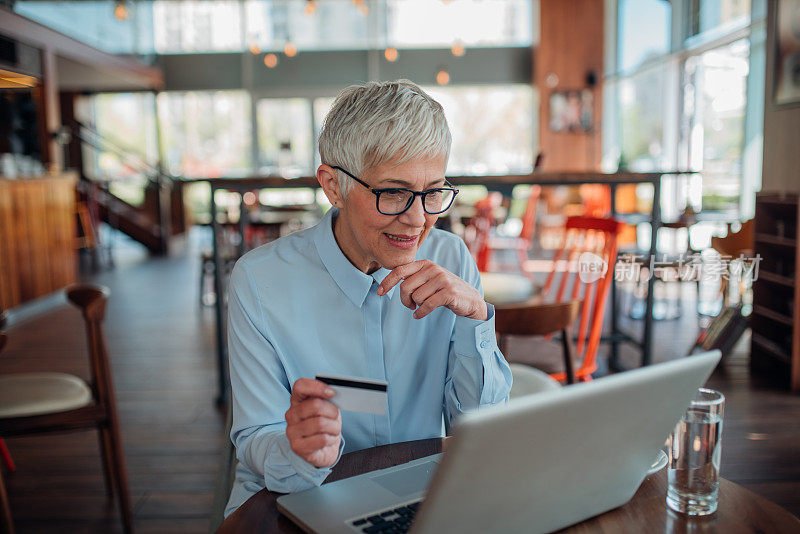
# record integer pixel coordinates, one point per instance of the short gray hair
(371, 124)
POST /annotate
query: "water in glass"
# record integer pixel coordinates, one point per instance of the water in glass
(694, 458)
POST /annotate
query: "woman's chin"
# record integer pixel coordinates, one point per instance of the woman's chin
(396, 258)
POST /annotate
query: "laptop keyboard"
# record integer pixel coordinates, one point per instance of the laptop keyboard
(391, 520)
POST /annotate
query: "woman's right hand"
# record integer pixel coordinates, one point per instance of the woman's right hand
(313, 423)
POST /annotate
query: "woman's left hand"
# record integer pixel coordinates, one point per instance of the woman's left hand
(426, 286)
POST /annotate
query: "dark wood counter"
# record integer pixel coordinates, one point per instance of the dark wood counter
(37, 237)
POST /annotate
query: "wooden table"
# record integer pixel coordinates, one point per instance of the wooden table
(740, 510)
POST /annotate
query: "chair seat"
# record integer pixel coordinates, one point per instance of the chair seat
(27, 394)
(528, 381)
(505, 288)
(538, 353)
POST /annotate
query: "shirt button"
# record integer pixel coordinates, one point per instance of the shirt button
(484, 344)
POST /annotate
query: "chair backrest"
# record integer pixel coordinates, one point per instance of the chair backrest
(482, 223)
(485, 219)
(589, 246)
(91, 300)
(529, 217)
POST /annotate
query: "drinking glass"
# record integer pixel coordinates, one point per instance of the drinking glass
(694, 450)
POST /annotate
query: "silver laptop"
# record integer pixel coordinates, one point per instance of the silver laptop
(538, 464)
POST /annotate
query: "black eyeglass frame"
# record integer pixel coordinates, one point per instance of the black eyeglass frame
(414, 194)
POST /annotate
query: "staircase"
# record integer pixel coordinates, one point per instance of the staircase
(160, 217)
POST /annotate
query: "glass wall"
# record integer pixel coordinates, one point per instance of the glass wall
(715, 84)
(125, 141)
(717, 16)
(206, 134)
(285, 137)
(644, 28)
(192, 26)
(679, 97)
(492, 128)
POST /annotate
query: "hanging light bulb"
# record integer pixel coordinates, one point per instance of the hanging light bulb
(311, 7)
(121, 10)
(290, 49)
(362, 6)
(254, 48)
(270, 60)
(458, 48)
(442, 77)
(390, 54)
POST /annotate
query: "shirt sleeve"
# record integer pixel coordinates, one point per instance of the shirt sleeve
(477, 372)
(260, 393)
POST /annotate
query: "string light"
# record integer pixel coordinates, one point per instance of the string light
(458, 48)
(311, 7)
(442, 77)
(391, 54)
(270, 60)
(121, 10)
(363, 8)
(290, 49)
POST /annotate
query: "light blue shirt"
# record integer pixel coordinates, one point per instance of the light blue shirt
(298, 307)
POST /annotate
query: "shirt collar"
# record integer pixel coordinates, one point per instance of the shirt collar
(353, 283)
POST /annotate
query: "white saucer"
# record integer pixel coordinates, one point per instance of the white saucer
(659, 464)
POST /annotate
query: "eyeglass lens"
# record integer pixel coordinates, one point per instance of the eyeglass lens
(397, 201)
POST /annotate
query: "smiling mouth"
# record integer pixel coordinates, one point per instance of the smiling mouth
(401, 238)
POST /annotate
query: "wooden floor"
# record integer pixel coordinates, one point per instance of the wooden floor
(161, 344)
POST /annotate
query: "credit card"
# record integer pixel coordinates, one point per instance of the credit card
(357, 394)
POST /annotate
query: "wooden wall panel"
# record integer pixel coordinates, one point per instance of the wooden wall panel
(37, 237)
(570, 47)
(9, 289)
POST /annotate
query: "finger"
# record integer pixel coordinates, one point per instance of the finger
(305, 388)
(316, 408)
(399, 273)
(318, 425)
(438, 282)
(414, 281)
(440, 298)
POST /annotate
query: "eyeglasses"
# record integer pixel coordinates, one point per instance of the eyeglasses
(397, 200)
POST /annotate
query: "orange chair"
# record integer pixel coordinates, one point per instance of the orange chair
(483, 244)
(583, 269)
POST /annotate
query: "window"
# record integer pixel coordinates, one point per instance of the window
(206, 134)
(688, 104)
(717, 16)
(423, 23)
(644, 31)
(197, 26)
(125, 123)
(642, 99)
(285, 145)
(715, 89)
(492, 128)
(332, 26)
(93, 22)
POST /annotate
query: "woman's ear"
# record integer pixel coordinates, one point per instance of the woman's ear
(328, 179)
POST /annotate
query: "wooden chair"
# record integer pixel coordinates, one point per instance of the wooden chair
(37, 403)
(576, 275)
(535, 318)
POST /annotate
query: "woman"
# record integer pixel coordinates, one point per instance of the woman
(372, 291)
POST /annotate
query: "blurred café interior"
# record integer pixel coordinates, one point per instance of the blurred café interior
(145, 145)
